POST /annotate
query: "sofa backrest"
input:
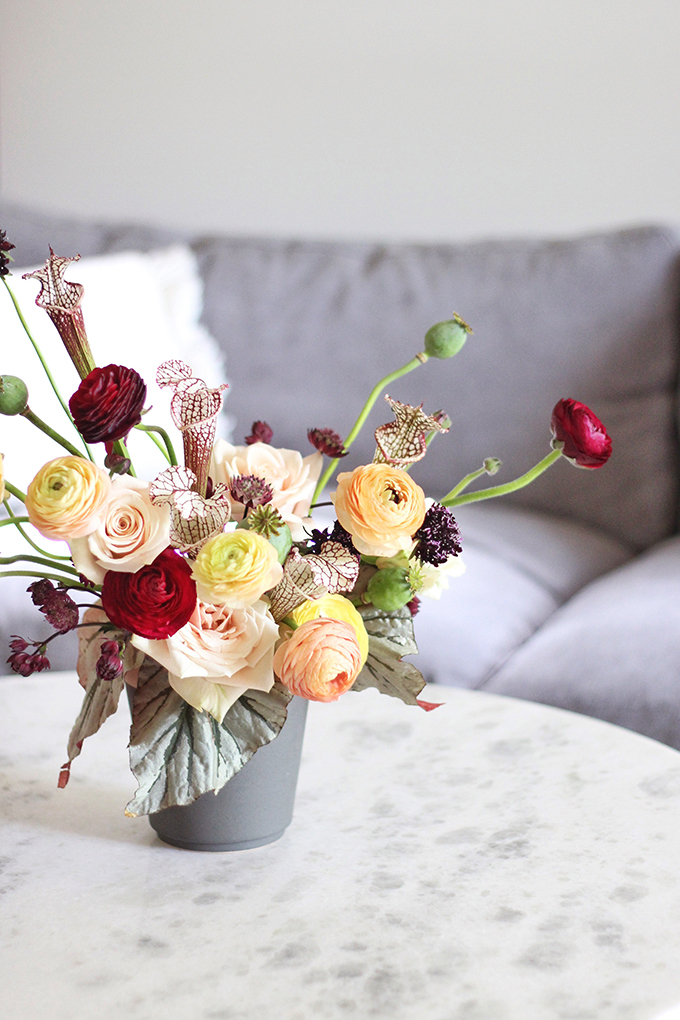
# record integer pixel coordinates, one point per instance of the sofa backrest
(309, 327)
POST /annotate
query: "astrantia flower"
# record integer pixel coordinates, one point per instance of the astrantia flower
(108, 403)
(155, 601)
(579, 434)
(251, 491)
(327, 441)
(5, 259)
(259, 433)
(438, 537)
(109, 664)
(56, 605)
(25, 663)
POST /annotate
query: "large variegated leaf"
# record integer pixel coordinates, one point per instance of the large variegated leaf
(390, 635)
(100, 701)
(177, 753)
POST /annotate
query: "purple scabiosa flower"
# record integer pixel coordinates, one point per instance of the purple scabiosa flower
(327, 441)
(438, 537)
(335, 534)
(260, 433)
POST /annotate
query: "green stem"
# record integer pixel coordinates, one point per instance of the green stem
(502, 490)
(40, 424)
(44, 561)
(66, 581)
(169, 450)
(15, 492)
(419, 359)
(464, 482)
(121, 449)
(18, 521)
(14, 520)
(44, 364)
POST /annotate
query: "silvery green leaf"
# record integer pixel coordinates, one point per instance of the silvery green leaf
(100, 701)
(178, 753)
(390, 635)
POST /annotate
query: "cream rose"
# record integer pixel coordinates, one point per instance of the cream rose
(236, 568)
(217, 655)
(66, 498)
(291, 476)
(131, 535)
(321, 659)
(381, 507)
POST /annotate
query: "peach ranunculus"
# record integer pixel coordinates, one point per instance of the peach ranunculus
(320, 660)
(67, 497)
(381, 507)
(291, 476)
(217, 655)
(236, 568)
(131, 535)
(334, 607)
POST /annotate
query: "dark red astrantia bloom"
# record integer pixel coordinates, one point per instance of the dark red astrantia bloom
(583, 437)
(108, 403)
(155, 601)
(261, 433)
(327, 441)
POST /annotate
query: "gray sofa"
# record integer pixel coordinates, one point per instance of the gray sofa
(572, 591)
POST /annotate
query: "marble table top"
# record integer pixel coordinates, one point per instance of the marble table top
(491, 860)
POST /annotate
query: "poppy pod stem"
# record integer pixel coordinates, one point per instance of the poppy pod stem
(451, 499)
(415, 362)
(44, 427)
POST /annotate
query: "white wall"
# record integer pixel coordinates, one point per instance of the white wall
(418, 119)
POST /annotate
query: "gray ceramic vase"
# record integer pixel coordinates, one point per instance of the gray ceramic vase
(254, 808)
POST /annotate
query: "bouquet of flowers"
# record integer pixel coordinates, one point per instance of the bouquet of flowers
(208, 589)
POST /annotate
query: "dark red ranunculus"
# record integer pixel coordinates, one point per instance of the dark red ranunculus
(155, 601)
(108, 403)
(585, 438)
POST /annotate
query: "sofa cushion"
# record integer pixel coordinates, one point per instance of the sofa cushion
(521, 566)
(612, 651)
(311, 326)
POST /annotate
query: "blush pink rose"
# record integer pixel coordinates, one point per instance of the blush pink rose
(217, 655)
(291, 476)
(131, 535)
(320, 661)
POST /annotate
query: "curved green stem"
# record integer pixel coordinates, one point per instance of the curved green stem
(44, 364)
(44, 427)
(464, 482)
(42, 560)
(450, 499)
(169, 450)
(15, 492)
(419, 359)
(18, 521)
(66, 581)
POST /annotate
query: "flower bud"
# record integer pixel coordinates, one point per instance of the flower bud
(389, 589)
(13, 395)
(492, 465)
(445, 339)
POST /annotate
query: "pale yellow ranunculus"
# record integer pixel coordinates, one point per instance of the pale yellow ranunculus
(235, 569)
(66, 498)
(334, 607)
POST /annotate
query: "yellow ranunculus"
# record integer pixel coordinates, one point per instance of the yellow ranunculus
(66, 498)
(381, 507)
(334, 607)
(235, 569)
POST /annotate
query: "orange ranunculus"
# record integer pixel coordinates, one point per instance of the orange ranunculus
(381, 507)
(67, 497)
(320, 661)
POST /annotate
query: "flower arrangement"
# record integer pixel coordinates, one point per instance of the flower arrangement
(208, 589)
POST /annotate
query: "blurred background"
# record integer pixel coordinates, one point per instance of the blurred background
(408, 120)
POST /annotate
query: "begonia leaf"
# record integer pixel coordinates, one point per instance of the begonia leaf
(390, 635)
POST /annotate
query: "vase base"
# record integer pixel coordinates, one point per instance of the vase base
(245, 844)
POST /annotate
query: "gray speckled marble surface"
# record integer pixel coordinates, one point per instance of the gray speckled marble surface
(491, 860)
